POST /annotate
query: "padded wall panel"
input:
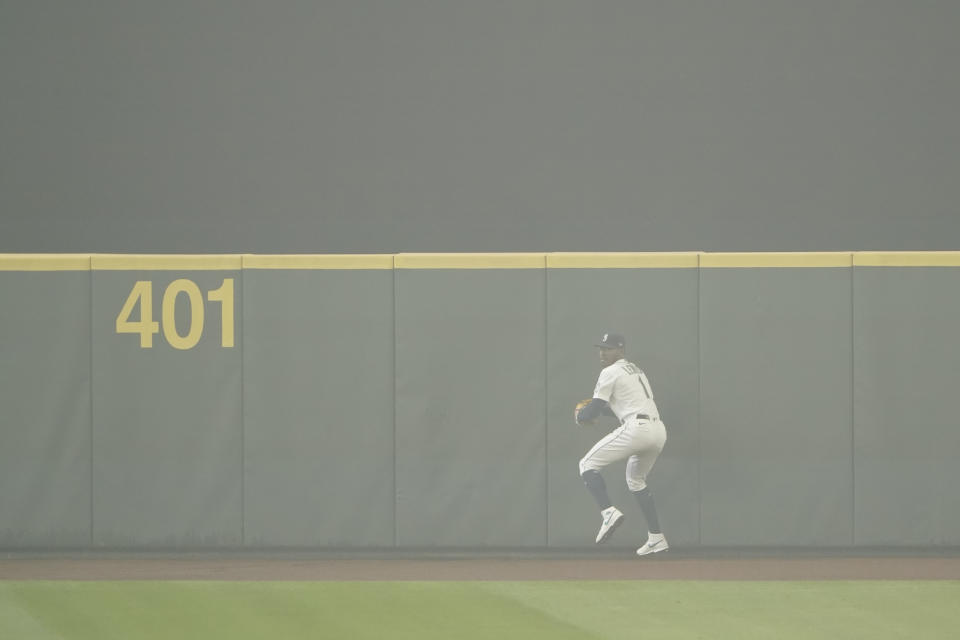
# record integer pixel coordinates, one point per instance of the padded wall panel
(776, 422)
(318, 404)
(653, 301)
(167, 421)
(470, 404)
(45, 403)
(905, 405)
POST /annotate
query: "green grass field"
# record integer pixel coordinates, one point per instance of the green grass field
(130, 610)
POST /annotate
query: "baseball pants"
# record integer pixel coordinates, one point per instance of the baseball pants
(640, 441)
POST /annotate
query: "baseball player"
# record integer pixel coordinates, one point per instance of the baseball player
(623, 391)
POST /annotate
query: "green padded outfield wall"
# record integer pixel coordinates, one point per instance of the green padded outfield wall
(775, 401)
(470, 414)
(166, 401)
(45, 401)
(906, 379)
(255, 401)
(652, 299)
(318, 401)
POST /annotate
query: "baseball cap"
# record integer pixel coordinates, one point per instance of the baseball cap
(611, 341)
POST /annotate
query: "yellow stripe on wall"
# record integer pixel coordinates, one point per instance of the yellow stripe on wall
(664, 260)
(330, 261)
(906, 259)
(798, 259)
(557, 260)
(44, 261)
(470, 261)
(158, 262)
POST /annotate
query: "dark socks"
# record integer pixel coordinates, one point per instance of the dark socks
(597, 488)
(645, 500)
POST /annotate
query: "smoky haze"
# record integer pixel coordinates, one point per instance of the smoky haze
(379, 127)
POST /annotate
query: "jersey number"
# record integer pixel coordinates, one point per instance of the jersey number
(644, 385)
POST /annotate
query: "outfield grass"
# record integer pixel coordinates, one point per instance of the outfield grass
(131, 610)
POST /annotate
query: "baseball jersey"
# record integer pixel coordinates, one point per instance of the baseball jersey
(626, 389)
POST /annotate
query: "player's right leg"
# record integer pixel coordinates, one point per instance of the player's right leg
(612, 447)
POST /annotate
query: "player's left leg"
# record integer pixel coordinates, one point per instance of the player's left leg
(639, 466)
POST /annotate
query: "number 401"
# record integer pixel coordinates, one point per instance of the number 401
(146, 326)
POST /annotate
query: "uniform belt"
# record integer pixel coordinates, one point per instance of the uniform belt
(639, 416)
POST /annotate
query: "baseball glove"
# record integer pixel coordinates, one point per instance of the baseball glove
(576, 411)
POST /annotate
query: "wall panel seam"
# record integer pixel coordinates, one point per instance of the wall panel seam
(243, 415)
(853, 421)
(546, 407)
(396, 330)
(90, 311)
(699, 406)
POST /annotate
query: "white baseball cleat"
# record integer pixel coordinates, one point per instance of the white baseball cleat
(612, 517)
(656, 542)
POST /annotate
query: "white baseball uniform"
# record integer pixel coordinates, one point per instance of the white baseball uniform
(640, 436)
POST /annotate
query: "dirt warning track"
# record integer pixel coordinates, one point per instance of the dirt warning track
(678, 566)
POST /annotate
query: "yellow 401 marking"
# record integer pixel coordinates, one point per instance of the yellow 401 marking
(146, 326)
